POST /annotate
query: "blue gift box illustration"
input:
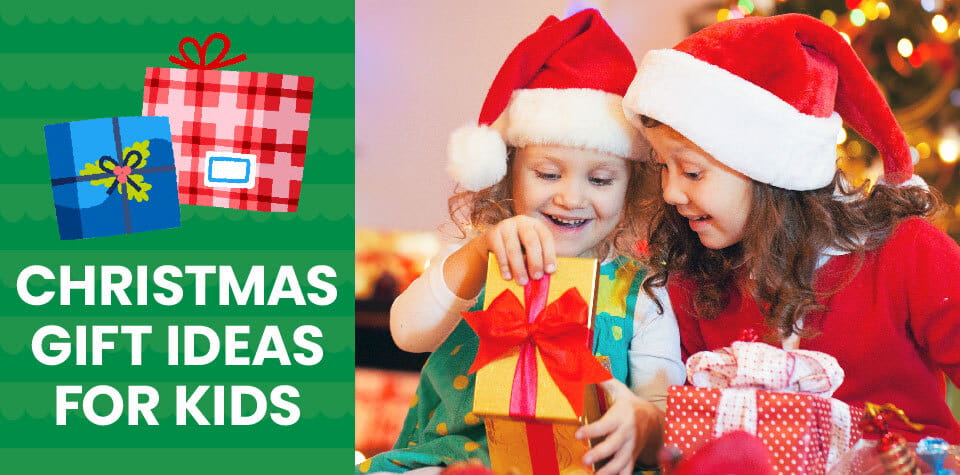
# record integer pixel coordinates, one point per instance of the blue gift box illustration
(112, 176)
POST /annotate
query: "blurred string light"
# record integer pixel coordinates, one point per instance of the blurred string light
(939, 23)
(870, 10)
(841, 136)
(928, 5)
(949, 149)
(828, 17)
(955, 97)
(949, 146)
(854, 149)
(857, 17)
(883, 10)
(905, 47)
(923, 149)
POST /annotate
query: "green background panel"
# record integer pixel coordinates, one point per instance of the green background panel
(66, 61)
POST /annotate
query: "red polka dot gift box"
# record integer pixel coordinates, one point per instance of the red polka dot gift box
(781, 396)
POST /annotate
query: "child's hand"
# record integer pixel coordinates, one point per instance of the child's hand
(626, 429)
(511, 238)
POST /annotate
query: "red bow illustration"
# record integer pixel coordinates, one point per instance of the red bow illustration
(218, 62)
(559, 332)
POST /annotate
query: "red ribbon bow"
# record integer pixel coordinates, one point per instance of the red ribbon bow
(218, 62)
(559, 332)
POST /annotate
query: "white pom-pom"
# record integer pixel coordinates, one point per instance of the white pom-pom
(477, 157)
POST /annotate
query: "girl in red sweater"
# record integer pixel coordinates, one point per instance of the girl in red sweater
(758, 229)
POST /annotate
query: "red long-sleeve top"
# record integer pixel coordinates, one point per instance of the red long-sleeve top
(893, 323)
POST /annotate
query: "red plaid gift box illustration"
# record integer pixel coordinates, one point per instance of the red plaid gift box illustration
(239, 138)
(781, 396)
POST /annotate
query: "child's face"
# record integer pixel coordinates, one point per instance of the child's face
(714, 198)
(577, 193)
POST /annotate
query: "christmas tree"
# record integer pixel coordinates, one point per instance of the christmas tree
(910, 48)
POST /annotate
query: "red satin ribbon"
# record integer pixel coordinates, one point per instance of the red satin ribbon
(542, 448)
(218, 62)
(559, 332)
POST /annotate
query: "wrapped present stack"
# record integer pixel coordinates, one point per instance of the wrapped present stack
(781, 396)
(535, 341)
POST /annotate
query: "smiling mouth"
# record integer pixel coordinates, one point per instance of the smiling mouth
(699, 218)
(565, 222)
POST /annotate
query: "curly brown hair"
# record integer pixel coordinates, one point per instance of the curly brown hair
(787, 232)
(475, 211)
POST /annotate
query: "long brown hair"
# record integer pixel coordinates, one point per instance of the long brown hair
(474, 211)
(786, 234)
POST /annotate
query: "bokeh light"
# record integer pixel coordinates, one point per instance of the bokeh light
(857, 17)
(828, 17)
(905, 47)
(949, 150)
(939, 23)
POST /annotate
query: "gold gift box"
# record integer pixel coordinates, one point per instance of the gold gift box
(507, 436)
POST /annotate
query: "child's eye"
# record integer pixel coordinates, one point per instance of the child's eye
(601, 181)
(692, 175)
(547, 176)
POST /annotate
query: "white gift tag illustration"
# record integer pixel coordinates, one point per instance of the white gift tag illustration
(230, 170)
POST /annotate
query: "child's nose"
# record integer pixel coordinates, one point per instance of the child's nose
(673, 192)
(570, 196)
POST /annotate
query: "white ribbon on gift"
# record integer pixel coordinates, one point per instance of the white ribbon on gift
(745, 367)
(840, 425)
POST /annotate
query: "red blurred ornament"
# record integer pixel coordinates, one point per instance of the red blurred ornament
(733, 452)
(892, 450)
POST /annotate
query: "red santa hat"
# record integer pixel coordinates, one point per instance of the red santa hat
(766, 96)
(562, 85)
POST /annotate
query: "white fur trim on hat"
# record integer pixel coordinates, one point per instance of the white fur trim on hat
(582, 118)
(739, 123)
(914, 180)
(477, 157)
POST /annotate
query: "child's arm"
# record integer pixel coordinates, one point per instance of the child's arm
(426, 313)
(633, 426)
(655, 362)
(932, 281)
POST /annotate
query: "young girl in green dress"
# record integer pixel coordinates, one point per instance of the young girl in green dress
(546, 173)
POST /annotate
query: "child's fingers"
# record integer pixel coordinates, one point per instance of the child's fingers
(605, 449)
(600, 428)
(495, 241)
(620, 464)
(549, 250)
(531, 244)
(514, 254)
